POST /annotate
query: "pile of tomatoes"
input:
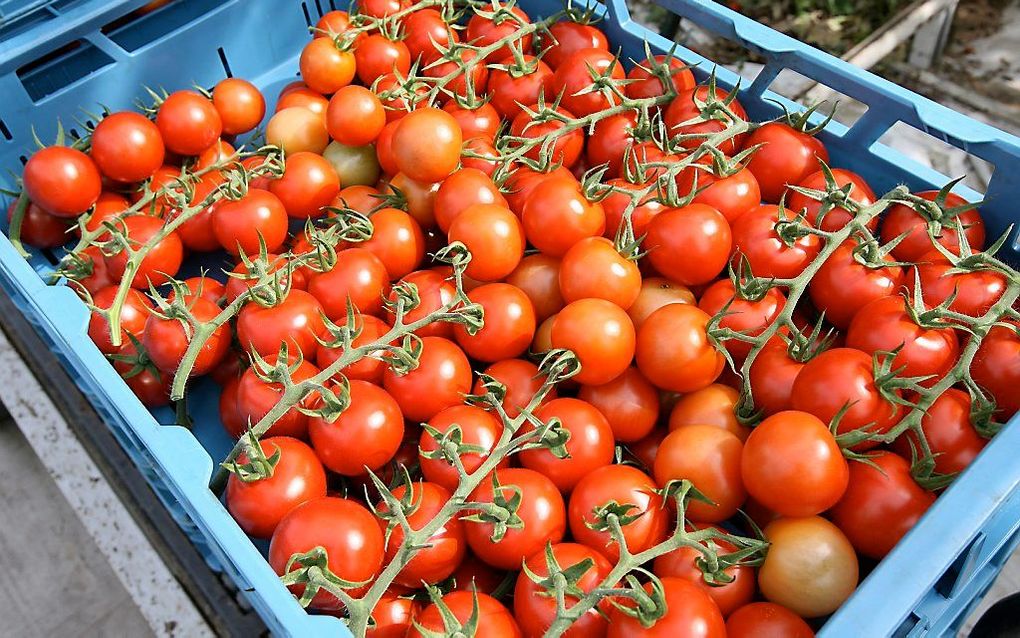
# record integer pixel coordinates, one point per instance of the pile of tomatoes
(498, 301)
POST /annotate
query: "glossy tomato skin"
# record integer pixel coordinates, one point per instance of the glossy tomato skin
(842, 286)
(41, 229)
(838, 217)
(657, 292)
(590, 446)
(840, 376)
(742, 315)
(256, 398)
(609, 140)
(188, 122)
(715, 404)
(308, 183)
(756, 239)
(884, 326)
(975, 292)
(681, 563)
(559, 203)
(134, 314)
(378, 55)
(684, 108)
(602, 336)
(495, 238)
(166, 340)
(368, 368)
(127, 147)
(673, 350)
(324, 67)
(447, 547)
(478, 428)
(496, 619)
(161, 262)
(434, 291)
(880, 505)
(510, 88)
(240, 104)
(689, 245)
(427, 35)
(536, 612)
(483, 31)
(996, 368)
(732, 195)
(355, 116)
(357, 275)
(565, 150)
(397, 240)
(538, 276)
(427, 144)
(365, 436)
(787, 157)
(459, 191)
(298, 477)
(393, 616)
(238, 224)
(577, 72)
(710, 458)
(810, 568)
(541, 509)
(568, 37)
(949, 432)
(629, 402)
(62, 181)
(624, 485)
(441, 380)
(509, 324)
(766, 620)
(593, 268)
(792, 465)
(901, 219)
(771, 376)
(522, 381)
(295, 321)
(690, 612)
(346, 530)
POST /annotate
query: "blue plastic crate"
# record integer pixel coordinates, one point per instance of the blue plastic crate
(60, 57)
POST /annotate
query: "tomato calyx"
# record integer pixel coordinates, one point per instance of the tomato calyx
(559, 581)
(256, 465)
(833, 196)
(801, 122)
(647, 607)
(311, 570)
(452, 626)
(501, 513)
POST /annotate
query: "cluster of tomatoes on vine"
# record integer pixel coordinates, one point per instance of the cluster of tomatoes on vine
(533, 146)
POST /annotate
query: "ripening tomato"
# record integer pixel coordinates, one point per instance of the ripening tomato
(516, 84)
(590, 443)
(975, 291)
(884, 325)
(151, 386)
(693, 105)
(522, 381)
(949, 432)
(843, 285)
(715, 404)
(657, 292)
(62, 181)
(629, 402)
(427, 143)
(792, 465)
(617, 203)
(347, 531)
(478, 428)
(256, 398)
(771, 377)
(467, 76)
(188, 122)
(427, 35)
(682, 563)
(689, 245)
(397, 99)
(786, 156)
(673, 350)
(996, 368)
(304, 98)
(134, 314)
(509, 323)
(239, 224)
(41, 229)
(484, 31)
(308, 184)
(494, 237)
(541, 512)
(709, 457)
(536, 611)
(167, 340)
(766, 620)
(444, 550)
(593, 268)
(127, 147)
(756, 239)
(217, 154)
(601, 335)
(538, 276)
(810, 568)
(844, 376)
(638, 499)
(558, 203)
(609, 140)
(355, 116)
(296, 321)
(297, 129)
(298, 477)
(461, 190)
(567, 37)
(325, 67)
(161, 262)
(393, 616)
(901, 219)
(441, 380)
(688, 612)
(397, 240)
(565, 149)
(837, 217)
(365, 436)
(357, 277)
(492, 615)
(377, 55)
(240, 105)
(575, 78)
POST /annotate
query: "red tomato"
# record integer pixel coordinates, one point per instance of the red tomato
(427, 143)
(296, 320)
(786, 157)
(305, 98)
(712, 405)
(41, 229)
(346, 530)
(565, 150)
(590, 444)
(792, 465)
(709, 457)
(567, 37)
(492, 615)
(482, 121)
(188, 122)
(382, 8)
(839, 377)
(393, 616)
(127, 147)
(996, 368)
(646, 84)
(771, 376)
(842, 286)
(160, 263)
(766, 620)
(494, 237)
(441, 380)
(240, 104)
(166, 340)
(62, 181)
(397, 240)
(949, 432)
(480, 153)
(538, 276)
(756, 239)
(657, 292)
(732, 195)
(601, 335)
(368, 368)
(541, 512)
(298, 477)
(629, 402)
(478, 428)
(558, 203)
(838, 217)
(324, 67)
(975, 291)
(901, 219)
(216, 154)
(593, 268)
(445, 549)
(483, 31)
(308, 183)
(577, 74)
(377, 55)
(230, 414)
(238, 224)
(609, 140)
(617, 203)
(90, 271)
(689, 612)
(682, 563)
(240, 280)
(397, 100)
(509, 324)
(685, 107)
(357, 276)
(635, 493)
(461, 190)
(133, 316)
(742, 315)
(256, 398)
(689, 245)
(434, 291)
(522, 381)
(536, 610)
(151, 386)
(355, 116)
(365, 436)
(518, 84)
(427, 35)
(460, 73)
(673, 350)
